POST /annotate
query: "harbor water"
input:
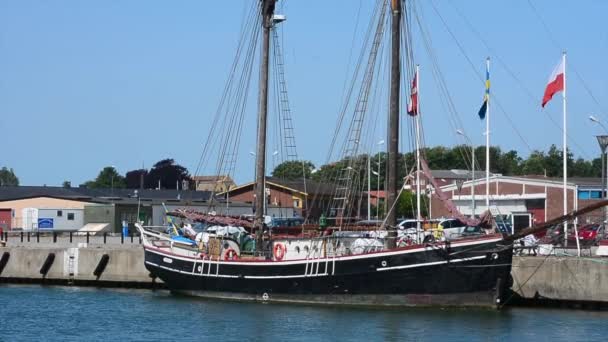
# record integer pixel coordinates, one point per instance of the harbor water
(37, 313)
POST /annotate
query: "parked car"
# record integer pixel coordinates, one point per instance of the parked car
(452, 227)
(472, 231)
(587, 234)
(371, 223)
(554, 236)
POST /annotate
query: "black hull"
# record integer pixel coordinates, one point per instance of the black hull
(473, 273)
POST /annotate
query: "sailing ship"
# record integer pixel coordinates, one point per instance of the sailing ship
(334, 268)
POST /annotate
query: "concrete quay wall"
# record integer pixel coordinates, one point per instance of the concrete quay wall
(570, 279)
(73, 265)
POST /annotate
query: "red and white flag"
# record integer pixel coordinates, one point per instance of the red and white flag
(556, 82)
(412, 106)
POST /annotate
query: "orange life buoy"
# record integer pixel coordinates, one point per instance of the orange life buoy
(279, 251)
(230, 254)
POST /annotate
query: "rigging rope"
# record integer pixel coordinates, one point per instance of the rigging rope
(533, 98)
(557, 45)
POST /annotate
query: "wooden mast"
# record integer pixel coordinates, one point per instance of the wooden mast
(267, 11)
(393, 122)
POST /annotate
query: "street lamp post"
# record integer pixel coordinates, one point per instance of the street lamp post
(112, 181)
(460, 132)
(603, 142)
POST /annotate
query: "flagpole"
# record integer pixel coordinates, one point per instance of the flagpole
(418, 216)
(565, 153)
(488, 138)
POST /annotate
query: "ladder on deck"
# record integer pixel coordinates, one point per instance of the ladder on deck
(502, 225)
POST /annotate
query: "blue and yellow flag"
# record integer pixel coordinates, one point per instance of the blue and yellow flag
(486, 96)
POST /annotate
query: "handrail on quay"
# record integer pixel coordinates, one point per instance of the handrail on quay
(63, 237)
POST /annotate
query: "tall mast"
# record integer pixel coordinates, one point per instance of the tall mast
(487, 137)
(418, 215)
(393, 121)
(565, 153)
(267, 11)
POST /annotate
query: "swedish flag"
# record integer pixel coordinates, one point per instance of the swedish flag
(486, 97)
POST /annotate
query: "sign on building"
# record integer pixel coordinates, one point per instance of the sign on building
(45, 223)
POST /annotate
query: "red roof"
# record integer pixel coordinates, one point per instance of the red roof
(378, 194)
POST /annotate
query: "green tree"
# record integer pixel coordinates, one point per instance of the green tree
(66, 184)
(407, 205)
(480, 156)
(8, 177)
(168, 174)
(440, 158)
(108, 177)
(584, 168)
(596, 165)
(293, 169)
(509, 164)
(535, 164)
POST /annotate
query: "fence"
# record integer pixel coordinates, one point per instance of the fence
(62, 239)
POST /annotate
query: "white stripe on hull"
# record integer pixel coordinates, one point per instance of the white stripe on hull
(304, 275)
(338, 258)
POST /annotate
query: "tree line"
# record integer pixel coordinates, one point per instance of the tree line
(165, 174)
(507, 163)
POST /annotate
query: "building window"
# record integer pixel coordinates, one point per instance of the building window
(59, 213)
(70, 216)
(589, 194)
(296, 203)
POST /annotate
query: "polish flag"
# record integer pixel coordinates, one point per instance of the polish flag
(412, 107)
(556, 82)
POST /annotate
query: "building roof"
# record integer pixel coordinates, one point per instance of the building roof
(378, 193)
(214, 178)
(8, 193)
(459, 174)
(581, 182)
(308, 188)
(536, 181)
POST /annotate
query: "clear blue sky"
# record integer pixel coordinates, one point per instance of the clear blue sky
(86, 84)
